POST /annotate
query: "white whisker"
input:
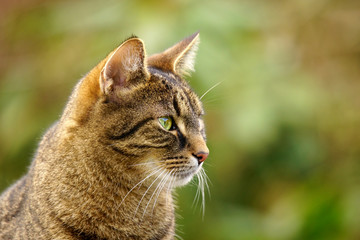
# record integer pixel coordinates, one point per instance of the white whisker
(147, 191)
(177, 236)
(152, 195)
(207, 179)
(197, 195)
(161, 188)
(202, 193)
(210, 89)
(146, 163)
(157, 169)
(170, 186)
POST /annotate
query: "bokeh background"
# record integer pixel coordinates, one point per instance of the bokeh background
(283, 125)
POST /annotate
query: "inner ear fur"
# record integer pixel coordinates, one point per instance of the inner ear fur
(124, 65)
(178, 59)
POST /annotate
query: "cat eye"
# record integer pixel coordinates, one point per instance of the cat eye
(167, 123)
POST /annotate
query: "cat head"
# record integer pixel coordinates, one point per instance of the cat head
(143, 112)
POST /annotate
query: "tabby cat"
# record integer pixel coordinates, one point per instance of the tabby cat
(131, 131)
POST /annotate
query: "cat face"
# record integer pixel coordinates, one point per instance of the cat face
(157, 118)
(181, 128)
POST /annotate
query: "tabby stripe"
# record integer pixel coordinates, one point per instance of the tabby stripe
(175, 163)
(182, 139)
(13, 199)
(79, 234)
(189, 101)
(148, 146)
(175, 167)
(35, 218)
(118, 150)
(131, 131)
(168, 158)
(176, 106)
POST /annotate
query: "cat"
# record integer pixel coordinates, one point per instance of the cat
(132, 130)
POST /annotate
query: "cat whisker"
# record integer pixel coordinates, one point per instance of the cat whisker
(210, 101)
(158, 188)
(207, 179)
(178, 237)
(170, 186)
(145, 163)
(156, 170)
(197, 195)
(217, 84)
(141, 164)
(147, 191)
(204, 183)
(208, 164)
(161, 188)
(202, 192)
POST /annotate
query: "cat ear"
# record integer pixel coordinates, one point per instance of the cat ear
(179, 58)
(125, 64)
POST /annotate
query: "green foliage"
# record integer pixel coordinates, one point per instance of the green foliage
(283, 126)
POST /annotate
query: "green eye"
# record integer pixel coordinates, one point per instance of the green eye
(166, 122)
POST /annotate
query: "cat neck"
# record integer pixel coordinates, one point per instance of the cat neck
(86, 194)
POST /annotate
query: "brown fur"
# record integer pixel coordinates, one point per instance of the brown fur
(81, 183)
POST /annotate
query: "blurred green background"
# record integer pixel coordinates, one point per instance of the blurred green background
(283, 127)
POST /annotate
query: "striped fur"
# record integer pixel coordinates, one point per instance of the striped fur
(107, 168)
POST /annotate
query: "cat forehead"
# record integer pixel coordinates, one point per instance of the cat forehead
(183, 98)
(167, 78)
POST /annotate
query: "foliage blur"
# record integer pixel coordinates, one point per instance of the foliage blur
(283, 126)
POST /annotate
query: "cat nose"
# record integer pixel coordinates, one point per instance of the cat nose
(201, 156)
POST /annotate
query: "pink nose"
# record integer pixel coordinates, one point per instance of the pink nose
(201, 156)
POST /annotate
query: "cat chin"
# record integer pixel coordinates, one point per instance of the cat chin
(183, 180)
